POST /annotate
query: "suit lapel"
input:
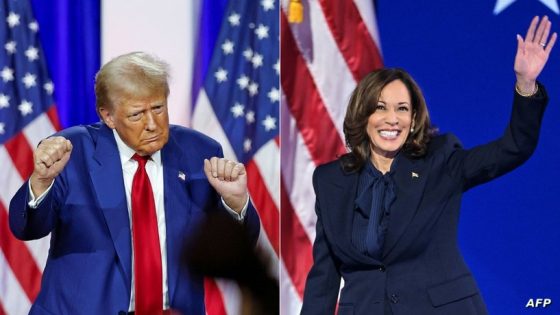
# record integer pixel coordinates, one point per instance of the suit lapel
(106, 175)
(410, 180)
(177, 214)
(338, 217)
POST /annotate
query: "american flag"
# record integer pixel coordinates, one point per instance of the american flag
(238, 105)
(323, 58)
(27, 114)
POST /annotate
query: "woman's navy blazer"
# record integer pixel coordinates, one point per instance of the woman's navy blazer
(421, 270)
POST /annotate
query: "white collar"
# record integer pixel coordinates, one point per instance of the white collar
(126, 152)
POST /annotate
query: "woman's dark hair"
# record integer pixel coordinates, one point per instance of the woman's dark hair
(362, 104)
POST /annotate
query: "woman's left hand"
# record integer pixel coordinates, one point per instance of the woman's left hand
(532, 53)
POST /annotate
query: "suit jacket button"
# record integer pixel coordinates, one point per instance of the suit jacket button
(394, 298)
(382, 268)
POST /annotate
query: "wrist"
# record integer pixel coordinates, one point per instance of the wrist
(236, 203)
(526, 89)
(39, 185)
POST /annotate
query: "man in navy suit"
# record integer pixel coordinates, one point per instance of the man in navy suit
(82, 191)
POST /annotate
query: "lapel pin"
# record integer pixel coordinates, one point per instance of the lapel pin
(182, 176)
(414, 174)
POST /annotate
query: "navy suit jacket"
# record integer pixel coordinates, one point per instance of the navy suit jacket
(421, 270)
(88, 270)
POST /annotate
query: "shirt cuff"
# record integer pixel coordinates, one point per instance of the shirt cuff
(34, 202)
(238, 216)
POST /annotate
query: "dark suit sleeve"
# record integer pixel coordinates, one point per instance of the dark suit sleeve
(323, 280)
(252, 223)
(251, 219)
(29, 224)
(486, 162)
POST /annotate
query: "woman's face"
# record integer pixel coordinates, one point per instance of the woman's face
(389, 126)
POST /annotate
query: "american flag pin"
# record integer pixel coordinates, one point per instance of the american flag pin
(414, 174)
(182, 176)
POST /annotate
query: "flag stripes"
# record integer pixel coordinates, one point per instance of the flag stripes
(296, 247)
(22, 262)
(19, 259)
(352, 36)
(213, 298)
(323, 58)
(305, 103)
(21, 154)
(268, 212)
(13, 298)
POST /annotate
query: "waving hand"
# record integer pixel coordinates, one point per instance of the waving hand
(532, 53)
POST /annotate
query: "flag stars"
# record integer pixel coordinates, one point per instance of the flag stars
(10, 47)
(250, 117)
(277, 67)
(274, 95)
(34, 26)
(261, 31)
(237, 110)
(7, 74)
(32, 53)
(248, 54)
(2, 126)
(247, 145)
(29, 80)
(267, 4)
(4, 101)
(269, 123)
(12, 19)
(25, 108)
(227, 47)
(257, 60)
(234, 19)
(503, 4)
(49, 87)
(243, 82)
(253, 88)
(221, 75)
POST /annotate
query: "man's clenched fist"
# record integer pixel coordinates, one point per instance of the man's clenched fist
(49, 160)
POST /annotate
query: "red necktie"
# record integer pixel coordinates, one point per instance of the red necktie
(147, 255)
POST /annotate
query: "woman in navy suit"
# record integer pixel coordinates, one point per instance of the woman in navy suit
(387, 211)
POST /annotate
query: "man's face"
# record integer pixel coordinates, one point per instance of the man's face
(143, 124)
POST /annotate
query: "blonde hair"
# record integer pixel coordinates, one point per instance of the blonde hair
(132, 75)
